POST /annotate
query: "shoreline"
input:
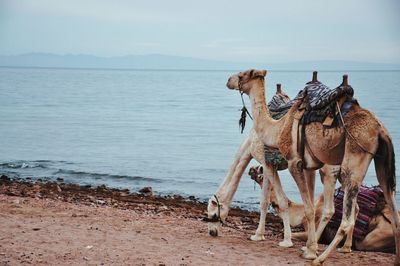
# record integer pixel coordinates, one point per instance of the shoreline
(47, 223)
(116, 197)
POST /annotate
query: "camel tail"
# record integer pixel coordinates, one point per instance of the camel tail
(385, 160)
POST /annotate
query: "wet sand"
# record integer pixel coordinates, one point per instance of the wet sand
(46, 223)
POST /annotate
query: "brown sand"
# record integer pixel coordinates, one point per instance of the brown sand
(58, 224)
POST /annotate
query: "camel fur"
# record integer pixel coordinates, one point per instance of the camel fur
(352, 146)
(252, 147)
(379, 238)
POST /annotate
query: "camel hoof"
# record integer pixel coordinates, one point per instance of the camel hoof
(317, 262)
(309, 255)
(286, 244)
(304, 248)
(344, 250)
(257, 237)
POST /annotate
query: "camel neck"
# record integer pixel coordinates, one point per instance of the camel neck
(266, 127)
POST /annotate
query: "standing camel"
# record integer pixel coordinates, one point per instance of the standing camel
(361, 138)
(219, 204)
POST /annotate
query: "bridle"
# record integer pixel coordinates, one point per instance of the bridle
(245, 112)
(216, 217)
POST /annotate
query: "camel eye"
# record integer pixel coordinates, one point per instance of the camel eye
(215, 204)
(261, 169)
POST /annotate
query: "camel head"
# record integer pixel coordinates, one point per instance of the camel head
(217, 212)
(244, 81)
(257, 174)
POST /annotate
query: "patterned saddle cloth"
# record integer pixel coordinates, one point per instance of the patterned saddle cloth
(278, 107)
(319, 102)
(370, 201)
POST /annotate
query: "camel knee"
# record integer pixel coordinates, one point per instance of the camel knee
(309, 213)
(295, 165)
(264, 204)
(283, 203)
(327, 214)
(345, 227)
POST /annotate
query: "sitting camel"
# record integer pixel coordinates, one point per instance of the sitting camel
(379, 236)
(219, 204)
(360, 138)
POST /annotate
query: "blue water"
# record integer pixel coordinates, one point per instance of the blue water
(176, 131)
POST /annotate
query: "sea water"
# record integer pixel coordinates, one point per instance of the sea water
(176, 131)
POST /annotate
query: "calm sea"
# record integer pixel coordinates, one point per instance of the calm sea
(176, 131)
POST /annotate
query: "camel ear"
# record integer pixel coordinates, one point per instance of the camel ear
(258, 73)
(261, 169)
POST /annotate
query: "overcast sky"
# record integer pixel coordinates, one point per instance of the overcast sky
(258, 31)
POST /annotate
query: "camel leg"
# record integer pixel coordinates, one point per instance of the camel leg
(228, 187)
(349, 238)
(296, 170)
(272, 180)
(300, 236)
(233, 177)
(284, 211)
(310, 180)
(264, 203)
(389, 194)
(329, 174)
(353, 169)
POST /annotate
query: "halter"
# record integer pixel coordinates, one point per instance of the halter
(216, 217)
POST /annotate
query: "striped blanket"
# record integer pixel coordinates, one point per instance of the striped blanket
(319, 101)
(370, 201)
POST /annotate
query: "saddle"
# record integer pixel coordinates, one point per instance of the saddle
(279, 105)
(319, 103)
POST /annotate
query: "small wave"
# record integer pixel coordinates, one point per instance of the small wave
(104, 176)
(22, 165)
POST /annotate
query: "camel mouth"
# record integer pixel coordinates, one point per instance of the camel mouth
(213, 232)
(233, 83)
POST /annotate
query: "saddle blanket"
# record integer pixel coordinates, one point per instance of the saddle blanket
(279, 106)
(319, 102)
(370, 200)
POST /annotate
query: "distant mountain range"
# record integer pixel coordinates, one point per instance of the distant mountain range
(167, 62)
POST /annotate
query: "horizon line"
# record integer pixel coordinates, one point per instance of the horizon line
(193, 70)
(198, 58)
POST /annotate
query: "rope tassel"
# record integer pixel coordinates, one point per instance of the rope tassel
(242, 120)
(243, 115)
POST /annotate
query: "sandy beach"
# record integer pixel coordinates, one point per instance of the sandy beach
(64, 224)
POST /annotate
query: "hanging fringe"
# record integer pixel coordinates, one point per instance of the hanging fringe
(243, 115)
(242, 120)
